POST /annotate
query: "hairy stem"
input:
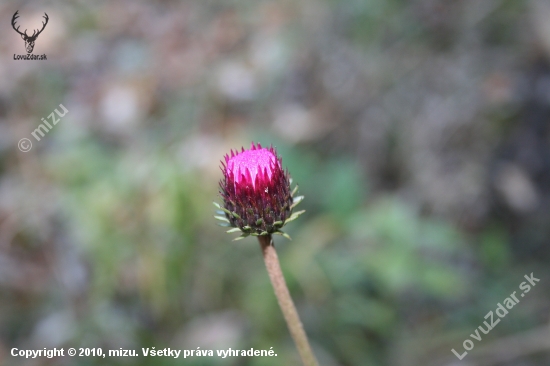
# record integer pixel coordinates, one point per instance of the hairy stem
(285, 301)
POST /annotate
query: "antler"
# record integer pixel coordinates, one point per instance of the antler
(15, 16)
(34, 34)
(43, 25)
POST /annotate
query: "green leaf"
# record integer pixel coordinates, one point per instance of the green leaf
(224, 211)
(259, 221)
(221, 218)
(294, 191)
(282, 233)
(234, 230)
(296, 201)
(294, 216)
(244, 235)
(235, 215)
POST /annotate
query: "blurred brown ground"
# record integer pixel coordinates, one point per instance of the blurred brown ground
(417, 130)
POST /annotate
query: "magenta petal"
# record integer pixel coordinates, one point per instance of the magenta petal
(252, 161)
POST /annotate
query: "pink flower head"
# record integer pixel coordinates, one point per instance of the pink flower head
(251, 165)
(256, 191)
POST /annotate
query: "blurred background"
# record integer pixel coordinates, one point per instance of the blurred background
(418, 132)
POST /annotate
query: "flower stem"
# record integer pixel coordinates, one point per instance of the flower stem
(285, 301)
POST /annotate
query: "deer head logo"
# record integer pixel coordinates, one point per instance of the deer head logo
(29, 40)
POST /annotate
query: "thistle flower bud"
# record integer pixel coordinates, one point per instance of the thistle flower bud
(257, 198)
